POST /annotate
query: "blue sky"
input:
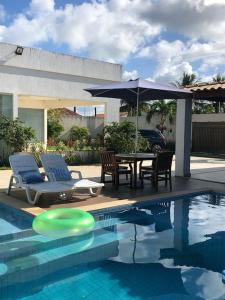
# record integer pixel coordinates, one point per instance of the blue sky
(153, 39)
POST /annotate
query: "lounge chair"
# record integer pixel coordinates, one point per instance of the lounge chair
(57, 170)
(26, 175)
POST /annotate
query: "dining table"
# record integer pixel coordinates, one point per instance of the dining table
(135, 158)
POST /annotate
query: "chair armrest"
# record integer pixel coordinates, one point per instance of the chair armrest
(17, 178)
(77, 172)
(50, 176)
(43, 175)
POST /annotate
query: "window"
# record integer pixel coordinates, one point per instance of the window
(6, 105)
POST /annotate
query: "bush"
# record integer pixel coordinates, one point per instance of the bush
(120, 137)
(80, 136)
(54, 126)
(15, 134)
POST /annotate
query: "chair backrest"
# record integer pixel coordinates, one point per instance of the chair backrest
(107, 160)
(55, 163)
(163, 161)
(23, 162)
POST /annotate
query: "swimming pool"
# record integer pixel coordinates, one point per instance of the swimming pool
(167, 249)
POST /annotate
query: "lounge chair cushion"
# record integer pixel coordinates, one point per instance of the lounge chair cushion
(61, 174)
(31, 176)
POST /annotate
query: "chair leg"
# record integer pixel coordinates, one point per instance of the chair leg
(95, 194)
(103, 176)
(166, 179)
(170, 180)
(117, 180)
(142, 179)
(29, 198)
(156, 182)
(10, 185)
(140, 165)
(131, 179)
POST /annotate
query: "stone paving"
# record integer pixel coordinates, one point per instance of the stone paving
(210, 169)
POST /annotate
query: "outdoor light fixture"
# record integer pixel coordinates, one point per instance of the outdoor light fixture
(19, 50)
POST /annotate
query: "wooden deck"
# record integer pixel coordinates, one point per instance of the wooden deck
(110, 197)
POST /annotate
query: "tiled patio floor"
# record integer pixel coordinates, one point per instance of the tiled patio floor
(124, 195)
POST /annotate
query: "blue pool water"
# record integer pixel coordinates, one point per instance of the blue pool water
(169, 249)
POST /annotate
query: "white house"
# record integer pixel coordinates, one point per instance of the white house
(36, 80)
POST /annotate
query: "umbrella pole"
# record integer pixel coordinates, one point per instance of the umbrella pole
(136, 134)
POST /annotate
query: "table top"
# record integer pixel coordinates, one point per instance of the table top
(137, 156)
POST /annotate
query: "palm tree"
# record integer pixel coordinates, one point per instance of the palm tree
(218, 78)
(187, 79)
(165, 109)
(131, 108)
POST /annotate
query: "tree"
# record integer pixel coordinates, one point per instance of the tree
(200, 107)
(80, 135)
(165, 109)
(187, 79)
(218, 105)
(15, 134)
(131, 107)
(218, 78)
(120, 137)
(54, 126)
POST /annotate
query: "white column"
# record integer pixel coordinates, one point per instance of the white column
(15, 105)
(112, 109)
(45, 127)
(183, 137)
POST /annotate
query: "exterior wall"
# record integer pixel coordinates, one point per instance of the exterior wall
(6, 105)
(35, 119)
(220, 117)
(40, 80)
(95, 125)
(169, 133)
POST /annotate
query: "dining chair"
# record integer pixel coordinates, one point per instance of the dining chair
(160, 170)
(112, 167)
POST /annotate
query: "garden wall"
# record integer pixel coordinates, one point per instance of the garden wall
(94, 124)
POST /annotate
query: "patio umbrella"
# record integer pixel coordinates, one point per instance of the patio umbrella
(136, 91)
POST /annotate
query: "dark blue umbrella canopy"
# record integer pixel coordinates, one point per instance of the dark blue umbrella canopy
(147, 90)
(136, 91)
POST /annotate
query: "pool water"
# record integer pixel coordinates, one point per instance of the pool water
(169, 249)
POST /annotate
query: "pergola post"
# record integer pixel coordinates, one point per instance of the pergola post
(183, 137)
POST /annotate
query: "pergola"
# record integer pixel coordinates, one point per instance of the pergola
(214, 91)
(202, 91)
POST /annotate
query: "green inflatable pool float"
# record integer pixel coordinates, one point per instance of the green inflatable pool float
(63, 222)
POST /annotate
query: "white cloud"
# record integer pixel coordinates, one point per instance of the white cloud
(169, 58)
(127, 75)
(195, 19)
(111, 30)
(2, 13)
(116, 30)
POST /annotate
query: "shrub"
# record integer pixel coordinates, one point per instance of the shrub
(120, 137)
(54, 126)
(15, 134)
(79, 133)
(80, 136)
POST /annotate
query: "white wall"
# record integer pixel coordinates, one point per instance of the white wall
(35, 119)
(169, 133)
(60, 79)
(94, 125)
(220, 117)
